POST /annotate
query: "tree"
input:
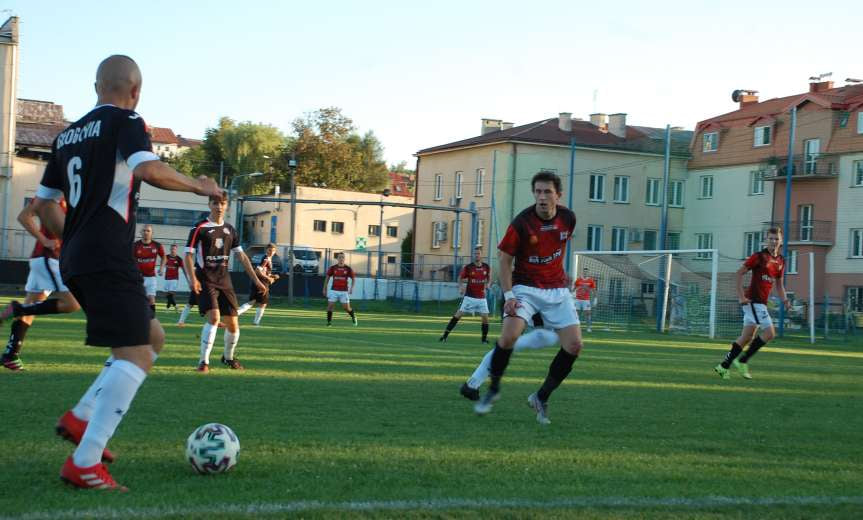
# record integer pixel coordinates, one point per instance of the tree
(401, 167)
(408, 254)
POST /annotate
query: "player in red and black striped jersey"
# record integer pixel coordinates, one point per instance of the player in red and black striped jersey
(476, 276)
(208, 251)
(267, 277)
(97, 165)
(43, 280)
(768, 268)
(534, 281)
(146, 252)
(173, 265)
(338, 286)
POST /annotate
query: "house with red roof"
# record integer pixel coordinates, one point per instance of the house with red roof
(739, 166)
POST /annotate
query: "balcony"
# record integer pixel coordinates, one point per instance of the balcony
(806, 167)
(807, 232)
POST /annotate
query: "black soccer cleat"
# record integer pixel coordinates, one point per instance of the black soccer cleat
(471, 394)
(233, 364)
(442, 339)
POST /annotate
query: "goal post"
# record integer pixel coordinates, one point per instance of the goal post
(671, 290)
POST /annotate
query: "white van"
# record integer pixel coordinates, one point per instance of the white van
(306, 259)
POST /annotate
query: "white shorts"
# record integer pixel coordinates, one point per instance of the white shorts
(44, 276)
(581, 305)
(554, 305)
(469, 304)
(170, 285)
(338, 296)
(756, 314)
(150, 285)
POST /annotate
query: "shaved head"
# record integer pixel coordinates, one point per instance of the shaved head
(118, 78)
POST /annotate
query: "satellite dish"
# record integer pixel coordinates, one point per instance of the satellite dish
(735, 96)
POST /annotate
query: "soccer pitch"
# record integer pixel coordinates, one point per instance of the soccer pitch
(367, 422)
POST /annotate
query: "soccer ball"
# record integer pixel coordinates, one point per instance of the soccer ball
(213, 448)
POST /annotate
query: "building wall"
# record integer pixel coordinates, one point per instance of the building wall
(849, 215)
(8, 96)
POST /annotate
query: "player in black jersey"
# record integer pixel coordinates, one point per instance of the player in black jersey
(267, 277)
(98, 164)
(208, 250)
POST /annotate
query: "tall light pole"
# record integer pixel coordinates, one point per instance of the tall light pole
(292, 168)
(385, 193)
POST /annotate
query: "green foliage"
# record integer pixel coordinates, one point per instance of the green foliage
(401, 167)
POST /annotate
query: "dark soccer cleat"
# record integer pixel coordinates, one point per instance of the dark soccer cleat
(11, 310)
(469, 393)
(203, 367)
(233, 364)
(94, 477)
(72, 429)
(12, 362)
(442, 339)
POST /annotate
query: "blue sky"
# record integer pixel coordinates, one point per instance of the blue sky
(421, 75)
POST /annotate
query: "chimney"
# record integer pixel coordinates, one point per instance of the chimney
(599, 120)
(564, 121)
(491, 125)
(617, 124)
(747, 99)
(820, 86)
(505, 126)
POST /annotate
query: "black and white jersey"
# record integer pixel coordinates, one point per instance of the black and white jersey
(212, 245)
(91, 166)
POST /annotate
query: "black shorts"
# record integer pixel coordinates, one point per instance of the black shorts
(193, 299)
(257, 296)
(117, 308)
(221, 298)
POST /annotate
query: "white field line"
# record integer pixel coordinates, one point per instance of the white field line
(706, 502)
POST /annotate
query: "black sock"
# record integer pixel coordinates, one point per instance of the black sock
(559, 368)
(351, 312)
(756, 344)
(153, 308)
(449, 326)
(732, 355)
(484, 331)
(171, 301)
(499, 361)
(329, 316)
(39, 308)
(16, 337)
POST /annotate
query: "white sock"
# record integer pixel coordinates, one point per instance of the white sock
(208, 337)
(119, 387)
(259, 314)
(482, 371)
(243, 308)
(231, 343)
(537, 338)
(84, 409)
(184, 314)
(153, 356)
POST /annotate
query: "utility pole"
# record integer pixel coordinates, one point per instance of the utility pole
(292, 166)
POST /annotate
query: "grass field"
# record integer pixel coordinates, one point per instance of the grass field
(367, 422)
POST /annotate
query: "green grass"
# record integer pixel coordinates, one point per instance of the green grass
(367, 422)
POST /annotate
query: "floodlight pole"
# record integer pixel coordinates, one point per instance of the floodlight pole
(663, 219)
(789, 171)
(292, 167)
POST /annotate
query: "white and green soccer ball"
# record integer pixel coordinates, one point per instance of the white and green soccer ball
(213, 448)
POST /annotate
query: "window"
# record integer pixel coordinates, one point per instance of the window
(653, 190)
(705, 241)
(391, 259)
(398, 188)
(320, 225)
(374, 230)
(855, 298)
(856, 243)
(438, 187)
(756, 182)
(792, 262)
(843, 119)
(649, 242)
(480, 182)
(621, 189)
(762, 135)
(860, 122)
(393, 231)
(672, 241)
(438, 234)
(857, 173)
(615, 290)
(597, 187)
(675, 194)
(752, 243)
(456, 233)
(648, 288)
(811, 149)
(337, 227)
(594, 238)
(618, 239)
(710, 142)
(480, 231)
(706, 187)
(806, 223)
(458, 179)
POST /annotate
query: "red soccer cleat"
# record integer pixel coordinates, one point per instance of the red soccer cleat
(72, 429)
(94, 477)
(203, 367)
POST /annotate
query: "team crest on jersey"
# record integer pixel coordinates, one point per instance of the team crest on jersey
(563, 235)
(219, 243)
(533, 239)
(225, 230)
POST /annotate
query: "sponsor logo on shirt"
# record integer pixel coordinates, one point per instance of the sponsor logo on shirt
(548, 227)
(219, 243)
(544, 259)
